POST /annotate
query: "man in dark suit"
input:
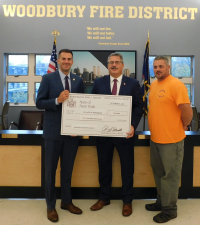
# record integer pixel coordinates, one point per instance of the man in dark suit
(54, 89)
(120, 85)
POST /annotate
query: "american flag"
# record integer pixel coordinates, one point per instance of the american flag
(53, 61)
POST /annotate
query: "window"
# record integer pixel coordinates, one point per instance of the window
(37, 85)
(188, 86)
(181, 67)
(151, 72)
(18, 65)
(22, 83)
(42, 64)
(18, 92)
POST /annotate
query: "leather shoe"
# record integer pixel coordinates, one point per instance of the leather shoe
(127, 210)
(99, 205)
(71, 208)
(52, 215)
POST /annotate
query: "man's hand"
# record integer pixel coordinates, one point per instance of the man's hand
(63, 96)
(131, 133)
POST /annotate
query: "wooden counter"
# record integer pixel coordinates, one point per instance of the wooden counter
(22, 167)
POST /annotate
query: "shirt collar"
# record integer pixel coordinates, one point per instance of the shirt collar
(62, 75)
(119, 79)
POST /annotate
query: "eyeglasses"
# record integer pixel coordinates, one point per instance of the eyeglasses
(116, 62)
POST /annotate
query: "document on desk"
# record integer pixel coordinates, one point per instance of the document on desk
(96, 115)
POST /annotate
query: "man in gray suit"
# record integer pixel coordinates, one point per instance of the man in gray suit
(54, 89)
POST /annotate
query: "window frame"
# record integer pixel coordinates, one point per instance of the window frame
(31, 79)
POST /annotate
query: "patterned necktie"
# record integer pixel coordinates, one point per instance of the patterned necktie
(114, 90)
(66, 83)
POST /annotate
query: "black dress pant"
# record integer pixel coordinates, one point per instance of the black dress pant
(125, 148)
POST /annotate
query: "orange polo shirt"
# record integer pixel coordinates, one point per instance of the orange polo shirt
(164, 116)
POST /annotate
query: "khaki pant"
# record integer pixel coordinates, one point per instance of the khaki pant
(166, 163)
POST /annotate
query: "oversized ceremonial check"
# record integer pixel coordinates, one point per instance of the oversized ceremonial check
(96, 115)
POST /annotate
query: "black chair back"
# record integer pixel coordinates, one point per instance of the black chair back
(28, 120)
(4, 116)
(195, 120)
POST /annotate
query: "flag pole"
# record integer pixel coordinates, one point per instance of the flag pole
(55, 33)
(145, 87)
(53, 60)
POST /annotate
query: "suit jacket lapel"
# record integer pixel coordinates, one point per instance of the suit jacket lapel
(58, 81)
(73, 81)
(123, 86)
(107, 84)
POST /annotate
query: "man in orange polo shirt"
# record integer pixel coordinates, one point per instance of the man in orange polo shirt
(169, 115)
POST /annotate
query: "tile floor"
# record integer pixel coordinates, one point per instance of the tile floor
(33, 212)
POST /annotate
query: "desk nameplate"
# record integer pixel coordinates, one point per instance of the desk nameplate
(141, 136)
(9, 135)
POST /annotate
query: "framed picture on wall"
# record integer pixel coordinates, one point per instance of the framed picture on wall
(93, 64)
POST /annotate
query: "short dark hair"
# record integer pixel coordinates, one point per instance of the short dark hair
(65, 50)
(162, 57)
(116, 54)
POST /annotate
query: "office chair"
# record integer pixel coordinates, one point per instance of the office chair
(195, 120)
(4, 116)
(29, 120)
